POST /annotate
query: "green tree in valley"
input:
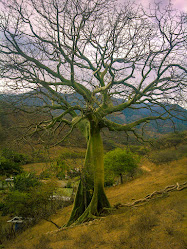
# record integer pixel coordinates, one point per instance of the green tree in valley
(85, 60)
(120, 161)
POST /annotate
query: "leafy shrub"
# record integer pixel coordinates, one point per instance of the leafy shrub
(33, 202)
(60, 168)
(120, 161)
(72, 155)
(15, 203)
(109, 144)
(15, 156)
(182, 149)
(8, 167)
(69, 184)
(25, 181)
(11, 161)
(164, 156)
(73, 172)
(1, 206)
(45, 174)
(170, 140)
(140, 150)
(60, 175)
(109, 178)
(55, 170)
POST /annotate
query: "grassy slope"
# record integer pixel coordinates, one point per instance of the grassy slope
(160, 223)
(53, 154)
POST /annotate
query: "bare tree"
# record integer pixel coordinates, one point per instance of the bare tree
(110, 57)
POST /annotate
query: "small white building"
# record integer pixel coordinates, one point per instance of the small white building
(18, 221)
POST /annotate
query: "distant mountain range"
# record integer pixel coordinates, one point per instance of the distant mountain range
(128, 115)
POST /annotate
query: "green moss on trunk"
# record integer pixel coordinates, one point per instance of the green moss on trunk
(87, 206)
(85, 188)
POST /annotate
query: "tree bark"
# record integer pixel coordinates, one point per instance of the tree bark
(85, 188)
(88, 205)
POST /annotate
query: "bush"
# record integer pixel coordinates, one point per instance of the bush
(60, 168)
(182, 149)
(120, 161)
(15, 203)
(8, 167)
(1, 206)
(140, 150)
(170, 140)
(15, 157)
(71, 155)
(35, 202)
(109, 178)
(25, 181)
(164, 156)
(11, 161)
(69, 184)
(73, 172)
(45, 174)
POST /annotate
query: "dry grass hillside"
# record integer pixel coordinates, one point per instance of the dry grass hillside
(160, 223)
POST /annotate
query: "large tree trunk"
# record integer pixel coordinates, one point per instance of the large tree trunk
(85, 188)
(88, 205)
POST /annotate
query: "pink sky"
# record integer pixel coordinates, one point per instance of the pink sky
(178, 4)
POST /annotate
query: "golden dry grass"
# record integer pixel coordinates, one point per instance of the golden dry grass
(160, 223)
(56, 151)
(53, 154)
(36, 168)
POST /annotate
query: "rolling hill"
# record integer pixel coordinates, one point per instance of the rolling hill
(178, 122)
(158, 223)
